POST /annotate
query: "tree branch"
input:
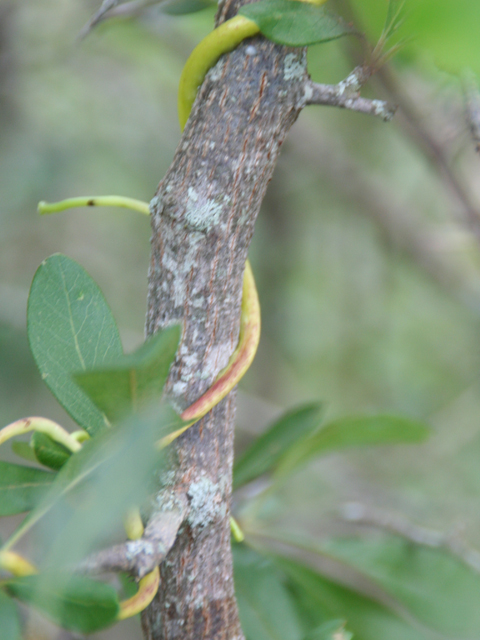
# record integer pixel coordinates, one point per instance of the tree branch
(402, 225)
(346, 95)
(203, 218)
(97, 17)
(115, 10)
(139, 557)
(397, 524)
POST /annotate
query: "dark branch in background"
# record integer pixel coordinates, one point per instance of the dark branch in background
(329, 566)
(127, 9)
(397, 524)
(433, 149)
(139, 557)
(411, 120)
(346, 95)
(402, 225)
(97, 17)
(472, 109)
(112, 9)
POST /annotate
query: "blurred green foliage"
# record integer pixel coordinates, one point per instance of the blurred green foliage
(369, 286)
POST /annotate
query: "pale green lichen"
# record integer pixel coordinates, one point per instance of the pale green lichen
(201, 213)
(308, 92)
(351, 84)
(135, 548)
(155, 203)
(190, 361)
(180, 270)
(293, 68)
(198, 302)
(179, 388)
(382, 109)
(206, 504)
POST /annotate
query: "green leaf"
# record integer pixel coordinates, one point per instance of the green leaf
(9, 621)
(23, 450)
(132, 381)
(266, 450)
(318, 598)
(21, 488)
(73, 602)
(70, 329)
(93, 490)
(48, 452)
(295, 24)
(265, 607)
(353, 432)
(129, 586)
(436, 588)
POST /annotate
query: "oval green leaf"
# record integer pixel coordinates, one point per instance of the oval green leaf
(23, 450)
(72, 602)
(112, 472)
(317, 598)
(132, 381)
(70, 329)
(267, 449)
(22, 488)
(353, 432)
(296, 24)
(48, 452)
(265, 608)
(436, 588)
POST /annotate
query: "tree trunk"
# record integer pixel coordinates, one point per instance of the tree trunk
(203, 219)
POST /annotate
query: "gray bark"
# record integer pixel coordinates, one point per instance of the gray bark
(203, 218)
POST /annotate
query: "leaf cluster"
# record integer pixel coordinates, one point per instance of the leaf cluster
(78, 499)
(412, 593)
(111, 395)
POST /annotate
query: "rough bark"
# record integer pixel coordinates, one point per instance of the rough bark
(203, 217)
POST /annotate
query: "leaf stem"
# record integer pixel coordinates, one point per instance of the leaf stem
(133, 524)
(94, 201)
(80, 436)
(148, 586)
(147, 589)
(237, 533)
(43, 425)
(221, 40)
(239, 362)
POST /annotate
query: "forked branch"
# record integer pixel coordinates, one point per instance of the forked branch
(346, 95)
(140, 557)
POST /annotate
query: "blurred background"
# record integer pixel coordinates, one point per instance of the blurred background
(366, 251)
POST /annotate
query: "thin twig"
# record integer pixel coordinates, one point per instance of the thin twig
(346, 95)
(115, 10)
(97, 17)
(397, 524)
(432, 148)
